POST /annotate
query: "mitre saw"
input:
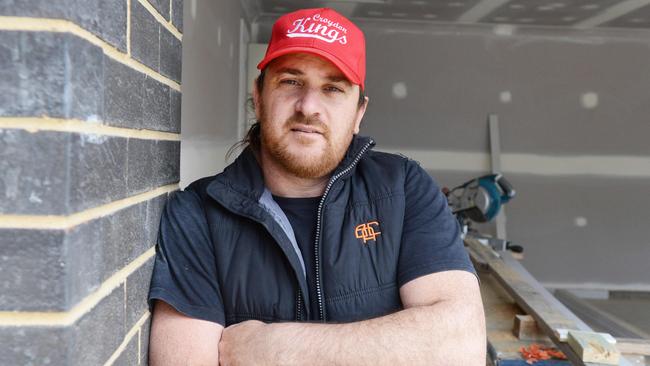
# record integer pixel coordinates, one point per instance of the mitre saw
(480, 200)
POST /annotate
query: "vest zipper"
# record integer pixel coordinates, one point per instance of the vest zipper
(319, 292)
(299, 305)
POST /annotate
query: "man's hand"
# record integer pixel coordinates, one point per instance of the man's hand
(244, 344)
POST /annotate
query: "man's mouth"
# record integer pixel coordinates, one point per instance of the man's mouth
(306, 129)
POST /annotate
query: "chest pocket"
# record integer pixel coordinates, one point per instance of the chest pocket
(360, 252)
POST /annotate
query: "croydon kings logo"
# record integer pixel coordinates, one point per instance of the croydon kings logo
(319, 28)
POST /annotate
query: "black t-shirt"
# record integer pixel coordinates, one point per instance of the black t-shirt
(302, 213)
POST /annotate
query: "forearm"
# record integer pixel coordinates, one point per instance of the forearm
(446, 333)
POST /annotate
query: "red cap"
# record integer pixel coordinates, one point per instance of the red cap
(325, 33)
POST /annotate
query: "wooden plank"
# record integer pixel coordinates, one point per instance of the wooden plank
(500, 310)
(525, 328)
(593, 347)
(528, 298)
(633, 346)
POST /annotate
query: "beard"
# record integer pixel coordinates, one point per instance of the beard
(303, 165)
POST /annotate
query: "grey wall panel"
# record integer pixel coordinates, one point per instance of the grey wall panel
(581, 229)
(562, 93)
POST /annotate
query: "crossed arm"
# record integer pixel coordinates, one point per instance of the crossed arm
(442, 324)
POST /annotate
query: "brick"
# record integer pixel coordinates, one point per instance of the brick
(177, 14)
(123, 238)
(84, 89)
(155, 207)
(162, 6)
(33, 74)
(171, 52)
(98, 165)
(129, 356)
(99, 332)
(33, 270)
(30, 184)
(156, 105)
(51, 74)
(175, 114)
(145, 36)
(35, 8)
(104, 18)
(123, 99)
(98, 170)
(34, 346)
(152, 164)
(137, 288)
(85, 252)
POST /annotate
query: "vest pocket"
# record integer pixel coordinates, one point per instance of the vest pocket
(364, 303)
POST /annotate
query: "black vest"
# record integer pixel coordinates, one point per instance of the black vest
(259, 268)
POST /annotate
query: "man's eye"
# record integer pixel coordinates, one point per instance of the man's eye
(289, 82)
(333, 89)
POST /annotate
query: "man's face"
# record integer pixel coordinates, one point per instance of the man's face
(308, 112)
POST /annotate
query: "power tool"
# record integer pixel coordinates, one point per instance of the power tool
(480, 200)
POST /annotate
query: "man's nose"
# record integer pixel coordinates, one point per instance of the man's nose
(309, 102)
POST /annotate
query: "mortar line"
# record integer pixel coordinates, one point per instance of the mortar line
(128, 27)
(127, 338)
(60, 222)
(171, 12)
(35, 124)
(161, 20)
(66, 318)
(66, 26)
(140, 345)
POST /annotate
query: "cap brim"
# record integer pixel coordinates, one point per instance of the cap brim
(318, 52)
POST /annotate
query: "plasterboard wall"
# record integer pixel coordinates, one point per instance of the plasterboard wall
(573, 110)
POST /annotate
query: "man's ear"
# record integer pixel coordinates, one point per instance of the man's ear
(256, 99)
(360, 112)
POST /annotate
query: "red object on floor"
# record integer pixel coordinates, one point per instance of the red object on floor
(536, 352)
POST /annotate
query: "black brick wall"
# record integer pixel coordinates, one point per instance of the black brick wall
(33, 267)
(63, 76)
(145, 36)
(51, 74)
(83, 170)
(61, 80)
(49, 260)
(104, 18)
(177, 14)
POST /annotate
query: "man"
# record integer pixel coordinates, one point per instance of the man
(312, 249)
